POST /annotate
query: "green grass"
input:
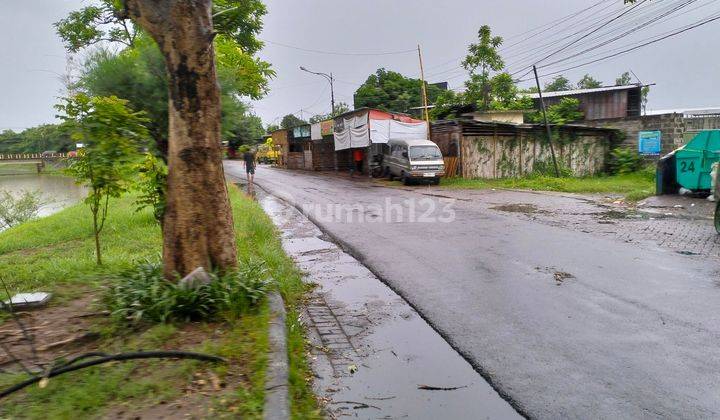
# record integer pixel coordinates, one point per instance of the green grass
(25, 168)
(634, 186)
(56, 254)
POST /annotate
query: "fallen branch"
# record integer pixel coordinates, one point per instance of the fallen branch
(440, 388)
(357, 404)
(112, 358)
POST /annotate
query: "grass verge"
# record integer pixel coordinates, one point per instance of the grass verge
(56, 254)
(634, 186)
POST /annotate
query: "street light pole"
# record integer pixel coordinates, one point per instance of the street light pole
(330, 79)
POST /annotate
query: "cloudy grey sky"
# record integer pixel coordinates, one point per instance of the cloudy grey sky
(684, 67)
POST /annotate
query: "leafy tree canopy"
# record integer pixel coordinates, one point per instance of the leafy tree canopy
(482, 60)
(290, 121)
(47, 137)
(558, 84)
(340, 108)
(272, 127)
(566, 111)
(237, 20)
(623, 79)
(589, 82)
(138, 75)
(391, 91)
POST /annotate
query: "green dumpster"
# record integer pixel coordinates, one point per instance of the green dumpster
(694, 160)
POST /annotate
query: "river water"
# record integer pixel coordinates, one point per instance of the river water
(56, 191)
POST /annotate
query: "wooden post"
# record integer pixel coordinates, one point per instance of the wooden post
(547, 124)
(424, 93)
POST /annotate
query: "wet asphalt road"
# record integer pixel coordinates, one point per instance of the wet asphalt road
(565, 324)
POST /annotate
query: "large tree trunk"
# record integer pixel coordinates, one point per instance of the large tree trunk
(198, 227)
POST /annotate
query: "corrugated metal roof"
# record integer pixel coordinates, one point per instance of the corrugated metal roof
(685, 111)
(583, 91)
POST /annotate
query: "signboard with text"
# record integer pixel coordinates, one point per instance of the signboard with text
(649, 143)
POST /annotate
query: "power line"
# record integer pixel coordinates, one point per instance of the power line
(338, 52)
(625, 51)
(622, 35)
(636, 5)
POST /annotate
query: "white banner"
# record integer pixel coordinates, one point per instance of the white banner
(352, 138)
(382, 131)
(316, 132)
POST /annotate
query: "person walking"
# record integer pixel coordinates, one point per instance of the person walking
(249, 159)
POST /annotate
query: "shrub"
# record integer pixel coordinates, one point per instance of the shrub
(625, 161)
(15, 210)
(144, 295)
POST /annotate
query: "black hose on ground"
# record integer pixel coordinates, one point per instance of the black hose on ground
(113, 358)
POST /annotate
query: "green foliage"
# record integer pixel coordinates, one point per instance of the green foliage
(625, 161)
(92, 24)
(138, 75)
(144, 295)
(272, 127)
(340, 108)
(152, 185)
(624, 79)
(635, 186)
(238, 20)
(47, 137)
(18, 209)
(290, 121)
(543, 168)
(482, 59)
(566, 111)
(589, 82)
(558, 84)
(391, 91)
(111, 134)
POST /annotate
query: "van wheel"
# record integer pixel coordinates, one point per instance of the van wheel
(405, 179)
(435, 181)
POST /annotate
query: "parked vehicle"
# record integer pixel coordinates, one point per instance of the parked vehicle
(268, 154)
(414, 160)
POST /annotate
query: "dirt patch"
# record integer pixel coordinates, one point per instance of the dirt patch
(519, 208)
(56, 331)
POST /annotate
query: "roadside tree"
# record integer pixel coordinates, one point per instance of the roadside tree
(197, 229)
(483, 58)
(111, 134)
(391, 91)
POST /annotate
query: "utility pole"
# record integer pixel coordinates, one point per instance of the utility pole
(330, 79)
(332, 96)
(547, 124)
(424, 93)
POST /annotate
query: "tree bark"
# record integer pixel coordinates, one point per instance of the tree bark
(198, 226)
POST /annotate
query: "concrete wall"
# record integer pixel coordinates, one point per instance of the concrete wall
(672, 127)
(516, 155)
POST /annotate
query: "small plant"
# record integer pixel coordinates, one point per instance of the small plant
(152, 186)
(18, 209)
(111, 133)
(625, 161)
(546, 168)
(144, 295)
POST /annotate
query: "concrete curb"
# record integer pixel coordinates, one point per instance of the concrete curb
(277, 400)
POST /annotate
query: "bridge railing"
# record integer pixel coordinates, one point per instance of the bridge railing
(33, 156)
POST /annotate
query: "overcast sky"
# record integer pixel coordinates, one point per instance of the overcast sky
(685, 67)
